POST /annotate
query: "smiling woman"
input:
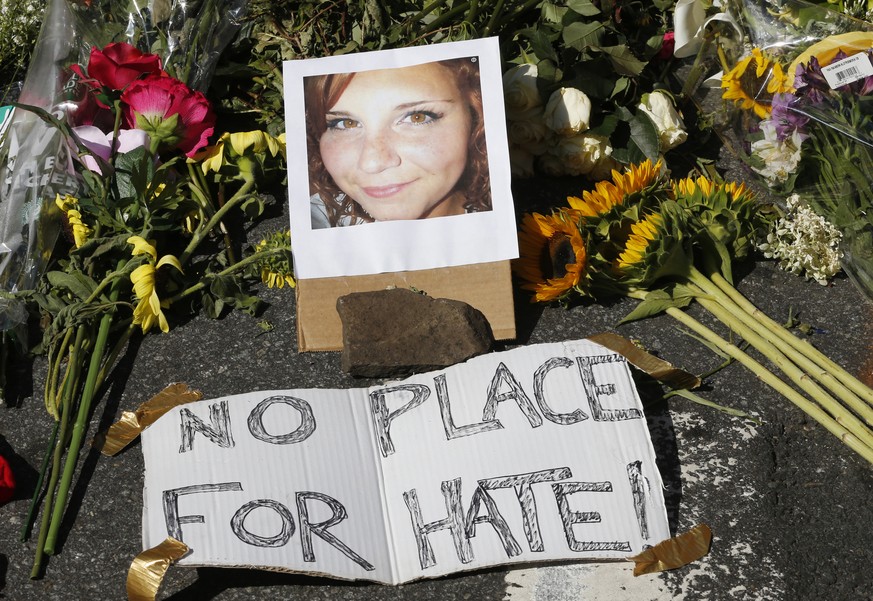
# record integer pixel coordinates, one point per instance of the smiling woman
(393, 144)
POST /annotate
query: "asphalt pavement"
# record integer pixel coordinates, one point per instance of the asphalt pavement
(788, 504)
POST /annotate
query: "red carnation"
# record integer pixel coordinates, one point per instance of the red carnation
(174, 115)
(117, 65)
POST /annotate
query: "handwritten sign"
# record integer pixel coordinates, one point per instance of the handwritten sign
(539, 453)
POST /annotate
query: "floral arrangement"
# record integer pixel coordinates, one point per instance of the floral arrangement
(798, 106)
(668, 243)
(586, 82)
(149, 228)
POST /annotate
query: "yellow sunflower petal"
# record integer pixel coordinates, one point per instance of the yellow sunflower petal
(142, 246)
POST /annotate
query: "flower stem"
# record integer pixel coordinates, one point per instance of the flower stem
(842, 415)
(65, 409)
(822, 360)
(785, 343)
(258, 256)
(81, 419)
(37, 489)
(215, 219)
(769, 378)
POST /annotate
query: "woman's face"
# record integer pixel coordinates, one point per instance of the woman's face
(396, 142)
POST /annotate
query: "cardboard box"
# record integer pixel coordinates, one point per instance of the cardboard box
(485, 286)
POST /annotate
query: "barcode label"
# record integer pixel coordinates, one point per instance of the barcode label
(849, 69)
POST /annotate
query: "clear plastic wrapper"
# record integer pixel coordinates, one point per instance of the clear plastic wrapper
(188, 35)
(35, 166)
(789, 86)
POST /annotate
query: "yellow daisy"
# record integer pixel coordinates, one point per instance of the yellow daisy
(276, 269)
(553, 256)
(607, 195)
(149, 310)
(753, 81)
(70, 206)
(643, 233)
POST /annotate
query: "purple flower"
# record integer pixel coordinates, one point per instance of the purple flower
(810, 82)
(788, 116)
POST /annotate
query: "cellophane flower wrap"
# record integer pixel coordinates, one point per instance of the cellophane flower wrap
(36, 165)
(793, 97)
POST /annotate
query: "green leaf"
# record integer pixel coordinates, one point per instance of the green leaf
(644, 136)
(77, 283)
(552, 13)
(687, 394)
(655, 303)
(587, 7)
(623, 60)
(541, 45)
(580, 35)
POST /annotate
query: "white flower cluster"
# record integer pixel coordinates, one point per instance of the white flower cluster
(804, 243)
(19, 25)
(780, 157)
(554, 135)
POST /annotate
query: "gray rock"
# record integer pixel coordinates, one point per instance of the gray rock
(397, 332)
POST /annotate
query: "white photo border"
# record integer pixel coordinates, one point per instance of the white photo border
(393, 246)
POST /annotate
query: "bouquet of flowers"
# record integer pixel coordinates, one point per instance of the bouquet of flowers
(586, 81)
(153, 187)
(798, 106)
(668, 243)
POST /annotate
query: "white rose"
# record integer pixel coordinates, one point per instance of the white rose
(521, 162)
(520, 91)
(583, 152)
(568, 111)
(671, 129)
(529, 131)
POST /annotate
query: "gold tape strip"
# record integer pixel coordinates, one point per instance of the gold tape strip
(132, 423)
(148, 569)
(674, 552)
(657, 368)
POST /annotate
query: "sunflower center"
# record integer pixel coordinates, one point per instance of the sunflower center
(561, 254)
(756, 87)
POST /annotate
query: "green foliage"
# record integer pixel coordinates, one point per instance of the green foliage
(604, 48)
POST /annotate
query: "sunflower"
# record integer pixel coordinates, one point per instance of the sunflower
(607, 195)
(643, 233)
(553, 256)
(753, 81)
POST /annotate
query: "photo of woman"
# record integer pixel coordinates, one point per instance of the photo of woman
(402, 143)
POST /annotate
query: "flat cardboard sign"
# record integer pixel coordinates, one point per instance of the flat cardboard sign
(534, 454)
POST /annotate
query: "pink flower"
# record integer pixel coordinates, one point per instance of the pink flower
(117, 65)
(100, 144)
(171, 113)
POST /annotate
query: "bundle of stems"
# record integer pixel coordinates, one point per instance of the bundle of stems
(669, 243)
(108, 289)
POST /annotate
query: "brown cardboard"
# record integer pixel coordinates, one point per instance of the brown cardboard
(485, 286)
